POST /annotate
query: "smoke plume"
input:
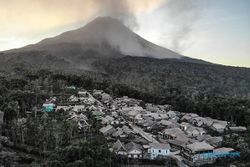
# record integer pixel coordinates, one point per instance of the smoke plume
(119, 9)
(182, 15)
(31, 21)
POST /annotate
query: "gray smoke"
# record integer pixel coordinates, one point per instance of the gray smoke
(117, 9)
(183, 14)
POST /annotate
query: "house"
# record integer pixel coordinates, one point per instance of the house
(177, 144)
(107, 130)
(127, 130)
(73, 98)
(208, 121)
(106, 98)
(191, 130)
(79, 108)
(152, 108)
(134, 150)
(203, 137)
(70, 87)
(158, 149)
(132, 114)
(165, 123)
(223, 150)
(48, 107)
(65, 108)
(172, 114)
(107, 120)
(80, 119)
(92, 108)
(138, 118)
(238, 129)
(189, 116)
(154, 116)
(119, 148)
(117, 122)
(197, 121)
(184, 126)
(118, 133)
(122, 132)
(168, 124)
(214, 141)
(114, 114)
(180, 142)
(219, 126)
(193, 154)
(83, 94)
(173, 133)
(163, 116)
(147, 124)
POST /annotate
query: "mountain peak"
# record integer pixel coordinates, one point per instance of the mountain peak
(106, 20)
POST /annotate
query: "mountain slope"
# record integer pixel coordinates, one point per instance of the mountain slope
(102, 33)
(75, 50)
(162, 77)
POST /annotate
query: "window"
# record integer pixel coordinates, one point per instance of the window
(159, 151)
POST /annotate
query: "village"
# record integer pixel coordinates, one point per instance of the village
(139, 130)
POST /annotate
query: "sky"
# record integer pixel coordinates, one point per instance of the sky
(213, 30)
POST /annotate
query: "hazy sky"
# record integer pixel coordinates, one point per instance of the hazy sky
(212, 30)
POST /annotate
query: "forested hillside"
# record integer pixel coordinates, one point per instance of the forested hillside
(23, 90)
(211, 90)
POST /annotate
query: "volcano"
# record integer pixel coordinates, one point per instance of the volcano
(106, 33)
(102, 38)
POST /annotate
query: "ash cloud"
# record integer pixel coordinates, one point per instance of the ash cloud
(59, 17)
(119, 9)
(182, 14)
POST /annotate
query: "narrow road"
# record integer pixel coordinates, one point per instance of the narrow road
(145, 135)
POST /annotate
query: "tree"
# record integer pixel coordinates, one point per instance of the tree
(11, 111)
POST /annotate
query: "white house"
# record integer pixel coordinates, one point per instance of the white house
(158, 149)
(133, 150)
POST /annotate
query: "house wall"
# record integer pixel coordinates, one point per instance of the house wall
(48, 108)
(156, 152)
(195, 159)
(135, 154)
(121, 153)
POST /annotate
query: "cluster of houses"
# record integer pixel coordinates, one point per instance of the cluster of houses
(139, 130)
(77, 106)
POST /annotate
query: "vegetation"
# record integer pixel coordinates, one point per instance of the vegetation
(209, 90)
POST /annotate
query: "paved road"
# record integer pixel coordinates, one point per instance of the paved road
(145, 135)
